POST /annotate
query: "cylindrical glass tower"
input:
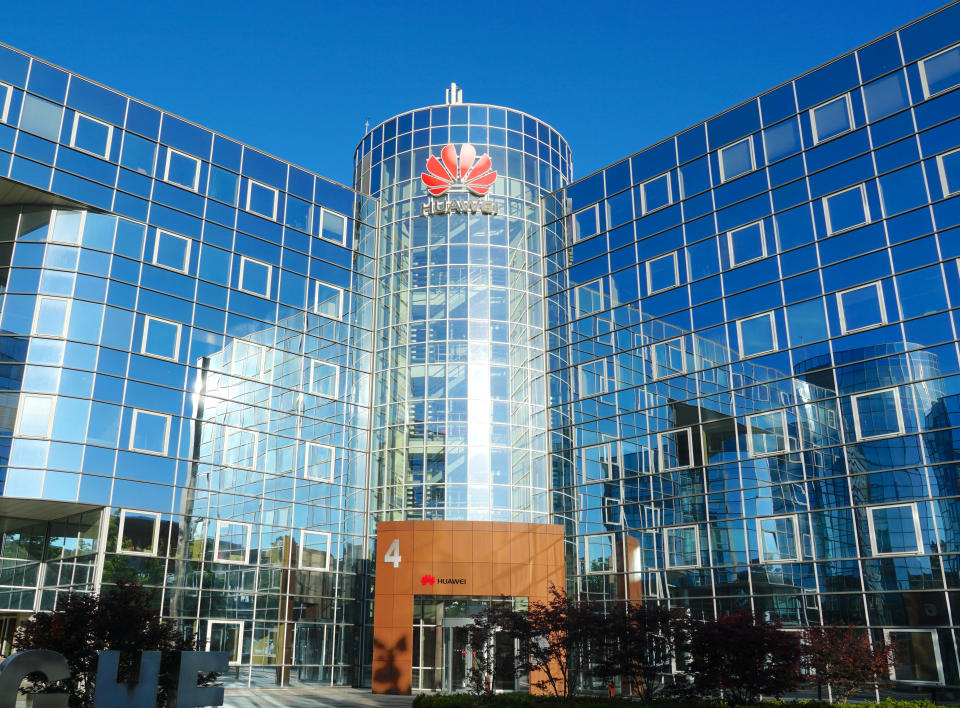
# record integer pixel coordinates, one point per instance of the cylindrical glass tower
(459, 418)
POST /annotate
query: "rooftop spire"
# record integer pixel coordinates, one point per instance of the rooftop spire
(454, 95)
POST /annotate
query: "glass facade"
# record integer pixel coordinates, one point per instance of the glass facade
(725, 364)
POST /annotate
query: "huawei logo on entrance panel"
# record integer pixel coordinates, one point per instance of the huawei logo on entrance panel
(464, 170)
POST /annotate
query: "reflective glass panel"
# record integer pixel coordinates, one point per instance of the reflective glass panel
(778, 538)
(315, 550)
(746, 244)
(91, 135)
(139, 533)
(942, 71)
(736, 159)
(182, 170)
(861, 308)
(831, 119)
(895, 529)
(149, 432)
(254, 276)
(160, 337)
(878, 414)
(845, 209)
(757, 335)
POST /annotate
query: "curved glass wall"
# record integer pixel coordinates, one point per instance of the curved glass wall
(459, 415)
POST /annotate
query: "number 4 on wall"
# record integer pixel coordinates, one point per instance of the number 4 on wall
(393, 554)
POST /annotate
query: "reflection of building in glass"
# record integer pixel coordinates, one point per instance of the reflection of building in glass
(724, 368)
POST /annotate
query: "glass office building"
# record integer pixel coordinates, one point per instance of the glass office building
(720, 372)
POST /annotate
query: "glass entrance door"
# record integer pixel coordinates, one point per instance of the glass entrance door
(458, 658)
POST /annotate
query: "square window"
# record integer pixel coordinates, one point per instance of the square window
(6, 93)
(940, 72)
(746, 244)
(894, 529)
(52, 316)
(736, 159)
(328, 300)
(66, 226)
(656, 193)
(847, 209)
(161, 338)
(248, 359)
(949, 166)
(589, 298)
(318, 463)
(662, 273)
(314, 550)
(149, 432)
(831, 119)
(91, 135)
(683, 546)
(232, 542)
(323, 379)
(757, 334)
(41, 117)
(599, 463)
(171, 251)
(139, 533)
(669, 358)
(918, 655)
(35, 416)
(676, 449)
(241, 448)
(877, 414)
(182, 170)
(592, 377)
(600, 557)
(778, 539)
(226, 637)
(767, 434)
(255, 276)
(333, 226)
(861, 308)
(261, 199)
(585, 223)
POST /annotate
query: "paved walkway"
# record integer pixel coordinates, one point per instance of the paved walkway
(327, 697)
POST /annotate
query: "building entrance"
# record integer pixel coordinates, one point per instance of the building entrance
(443, 658)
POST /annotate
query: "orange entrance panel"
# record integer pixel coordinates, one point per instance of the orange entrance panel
(469, 558)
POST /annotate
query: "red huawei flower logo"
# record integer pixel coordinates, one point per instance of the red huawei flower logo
(428, 580)
(450, 170)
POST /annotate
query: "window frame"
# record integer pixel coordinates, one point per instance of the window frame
(166, 431)
(917, 535)
(51, 230)
(243, 263)
(300, 565)
(230, 430)
(922, 68)
(66, 318)
(156, 533)
(786, 434)
(5, 104)
(576, 237)
(878, 285)
(935, 641)
(346, 221)
(676, 272)
(663, 465)
(763, 243)
(613, 554)
(316, 299)
(234, 367)
(772, 319)
(186, 254)
(236, 659)
(643, 193)
(667, 560)
(855, 411)
(336, 379)
(576, 290)
(246, 549)
(306, 461)
(797, 546)
(867, 217)
(276, 196)
(105, 155)
(20, 410)
(196, 173)
(943, 173)
(147, 319)
(753, 159)
(608, 468)
(813, 118)
(655, 365)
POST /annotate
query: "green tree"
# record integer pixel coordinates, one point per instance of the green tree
(122, 618)
(741, 657)
(845, 659)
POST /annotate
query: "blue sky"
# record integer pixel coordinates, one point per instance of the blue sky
(299, 78)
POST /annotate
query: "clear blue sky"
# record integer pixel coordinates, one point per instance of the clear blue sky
(299, 78)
